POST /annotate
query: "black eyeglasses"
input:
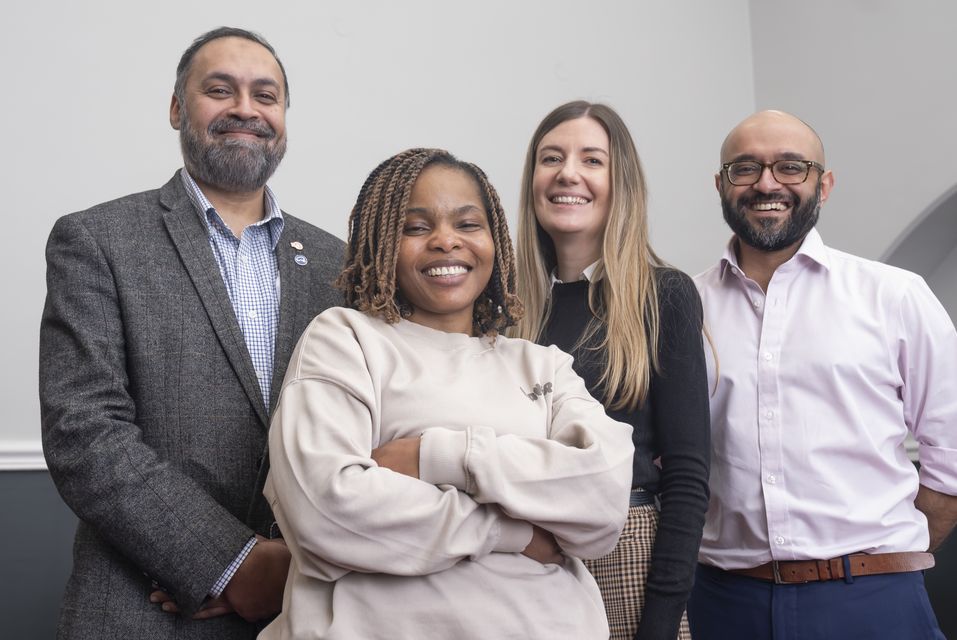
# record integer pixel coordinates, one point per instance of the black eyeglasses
(748, 172)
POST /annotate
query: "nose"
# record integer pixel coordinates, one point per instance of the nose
(445, 238)
(767, 182)
(568, 174)
(244, 107)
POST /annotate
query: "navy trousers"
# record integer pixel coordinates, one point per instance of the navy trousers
(725, 606)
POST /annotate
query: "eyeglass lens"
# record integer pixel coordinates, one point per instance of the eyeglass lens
(784, 171)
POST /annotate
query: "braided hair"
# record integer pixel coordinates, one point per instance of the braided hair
(368, 279)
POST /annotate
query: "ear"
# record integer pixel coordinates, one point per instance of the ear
(175, 113)
(827, 183)
(717, 182)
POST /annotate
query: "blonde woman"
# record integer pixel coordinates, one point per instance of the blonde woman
(592, 286)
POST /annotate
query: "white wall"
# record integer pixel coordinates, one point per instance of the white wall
(89, 87)
(878, 80)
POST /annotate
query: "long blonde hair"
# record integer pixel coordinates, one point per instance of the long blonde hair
(623, 294)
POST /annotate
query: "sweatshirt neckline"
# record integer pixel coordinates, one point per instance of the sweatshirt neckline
(442, 340)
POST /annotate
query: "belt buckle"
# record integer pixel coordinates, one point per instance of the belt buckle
(776, 570)
(779, 579)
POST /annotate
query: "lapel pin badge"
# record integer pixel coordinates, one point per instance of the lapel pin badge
(301, 260)
(295, 244)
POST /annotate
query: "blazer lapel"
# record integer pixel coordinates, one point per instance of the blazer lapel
(295, 312)
(189, 235)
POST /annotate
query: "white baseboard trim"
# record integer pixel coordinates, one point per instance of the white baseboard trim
(21, 456)
(29, 456)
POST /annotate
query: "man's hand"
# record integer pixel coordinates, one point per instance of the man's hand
(258, 591)
(543, 547)
(210, 609)
(165, 601)
(213, 609)
(941, 512)
(255, 592)
(401, 456)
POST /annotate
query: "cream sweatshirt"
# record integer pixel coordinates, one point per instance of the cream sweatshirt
(510, 436)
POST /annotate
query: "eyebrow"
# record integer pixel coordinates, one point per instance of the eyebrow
(553, 147)
(787, 155)
(230, 78)
(424, 211)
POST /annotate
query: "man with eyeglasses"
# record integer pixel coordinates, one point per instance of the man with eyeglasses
(819, 526)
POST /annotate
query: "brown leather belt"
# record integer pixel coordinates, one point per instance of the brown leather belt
(861, 564)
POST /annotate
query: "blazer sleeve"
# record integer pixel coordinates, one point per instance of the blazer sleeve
(154, 515)
(338, 510)
(573, 483)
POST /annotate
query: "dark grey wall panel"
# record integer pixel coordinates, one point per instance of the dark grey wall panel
(36, 540)
(942, 586)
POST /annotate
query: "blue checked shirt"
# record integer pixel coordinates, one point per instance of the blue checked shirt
(251, 275)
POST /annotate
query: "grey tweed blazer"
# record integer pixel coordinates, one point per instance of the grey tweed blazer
(154, 426)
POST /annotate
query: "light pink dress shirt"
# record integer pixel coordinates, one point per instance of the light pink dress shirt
(818, 383)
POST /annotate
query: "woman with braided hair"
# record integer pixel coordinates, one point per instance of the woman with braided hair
(432, 477)
(592, 286)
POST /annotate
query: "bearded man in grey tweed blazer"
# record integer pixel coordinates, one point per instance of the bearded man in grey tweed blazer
(169, 320)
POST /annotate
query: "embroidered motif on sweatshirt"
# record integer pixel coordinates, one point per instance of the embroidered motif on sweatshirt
(538, 391)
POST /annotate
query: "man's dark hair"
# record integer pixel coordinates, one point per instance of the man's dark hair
(182, 69)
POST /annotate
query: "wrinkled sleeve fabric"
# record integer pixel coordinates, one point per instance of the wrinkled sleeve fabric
(157, 517)
(681, 417)
(573, 482)
(338, 510)
(927, 361)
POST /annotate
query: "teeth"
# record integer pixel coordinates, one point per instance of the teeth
(569, 200)
(446, 271)
(770, 206)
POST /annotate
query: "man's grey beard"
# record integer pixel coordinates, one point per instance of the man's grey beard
(768, 236)
(231, 164)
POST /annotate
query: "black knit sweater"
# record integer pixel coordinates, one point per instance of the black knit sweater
(672, 424)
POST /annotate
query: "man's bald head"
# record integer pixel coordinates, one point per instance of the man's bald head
(773, 131)
(771, 208)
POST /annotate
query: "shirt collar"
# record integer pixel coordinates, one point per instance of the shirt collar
(587, 273)
(812, 249)
(211, 216)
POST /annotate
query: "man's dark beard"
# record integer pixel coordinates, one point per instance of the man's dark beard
(231, 164)
(767, 236)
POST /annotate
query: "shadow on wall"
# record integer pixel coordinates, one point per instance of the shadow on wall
(929, 247)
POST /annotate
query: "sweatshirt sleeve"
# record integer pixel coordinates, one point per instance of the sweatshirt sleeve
(338, 510)
(573, 483)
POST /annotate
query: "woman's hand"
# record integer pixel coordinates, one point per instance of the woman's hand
(543, 547)
(401, 456)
